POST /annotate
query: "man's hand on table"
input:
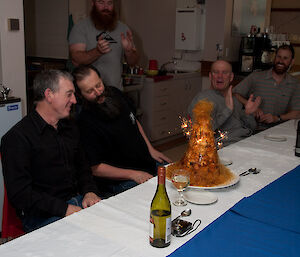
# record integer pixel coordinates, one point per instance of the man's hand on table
(90, 199)
(71, 209)
(158, 156)
(140, 176)
(268, 118)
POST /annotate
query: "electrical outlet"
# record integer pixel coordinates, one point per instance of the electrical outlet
(13, 24)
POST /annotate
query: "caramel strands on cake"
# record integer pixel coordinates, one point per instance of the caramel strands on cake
(201, 157)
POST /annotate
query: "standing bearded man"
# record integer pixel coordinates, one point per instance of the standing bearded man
(103, 41)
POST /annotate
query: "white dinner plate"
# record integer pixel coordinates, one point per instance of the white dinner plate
(226, 162)
(276, 138)
(199, 197)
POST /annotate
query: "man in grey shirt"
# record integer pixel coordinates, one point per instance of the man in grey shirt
(228, 114)
(103, 41)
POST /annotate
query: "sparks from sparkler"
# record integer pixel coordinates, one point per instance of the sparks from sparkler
(186, 126)
(222, 136)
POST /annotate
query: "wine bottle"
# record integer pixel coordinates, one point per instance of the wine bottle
(160, 214)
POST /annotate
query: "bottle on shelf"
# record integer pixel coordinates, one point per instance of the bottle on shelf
(160, 213)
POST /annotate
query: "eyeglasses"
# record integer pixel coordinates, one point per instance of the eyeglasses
(224, 73)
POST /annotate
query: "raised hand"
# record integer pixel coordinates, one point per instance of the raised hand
(127, 41)
(228, 98)
(251, 107)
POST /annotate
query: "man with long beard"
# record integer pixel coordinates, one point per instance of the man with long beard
(280, 92)
(103, 41)
(118, 150)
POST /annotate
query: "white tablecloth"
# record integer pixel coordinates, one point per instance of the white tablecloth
(119, 225)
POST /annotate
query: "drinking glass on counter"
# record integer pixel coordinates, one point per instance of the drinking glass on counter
(181, 180)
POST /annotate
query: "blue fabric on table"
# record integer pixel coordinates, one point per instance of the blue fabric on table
(277, 204)
(233, 235)
(265, 224)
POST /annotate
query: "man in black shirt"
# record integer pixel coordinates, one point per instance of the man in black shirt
(43, 166)
(119, 152)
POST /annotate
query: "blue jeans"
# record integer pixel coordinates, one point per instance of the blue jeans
(31, 223)
(108, 190)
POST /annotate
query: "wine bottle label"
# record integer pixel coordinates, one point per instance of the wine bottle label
(168, 223)
(151, 230)
(168, 230)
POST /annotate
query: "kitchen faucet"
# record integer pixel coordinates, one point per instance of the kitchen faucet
(4, 91)
(163, 67)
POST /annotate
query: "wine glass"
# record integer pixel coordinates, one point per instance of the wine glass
(181, 180)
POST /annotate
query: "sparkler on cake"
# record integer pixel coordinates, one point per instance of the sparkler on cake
(201, 157)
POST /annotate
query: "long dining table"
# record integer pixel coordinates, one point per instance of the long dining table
(119, 226)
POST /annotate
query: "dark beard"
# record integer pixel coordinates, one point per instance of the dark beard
(106, 21)
(110, 109)
(280, 71)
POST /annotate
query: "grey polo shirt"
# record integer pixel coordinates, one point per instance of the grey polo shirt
(276, 98)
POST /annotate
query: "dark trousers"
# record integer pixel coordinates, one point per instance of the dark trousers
(31, 223)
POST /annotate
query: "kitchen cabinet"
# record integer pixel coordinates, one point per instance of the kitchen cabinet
(164, 102)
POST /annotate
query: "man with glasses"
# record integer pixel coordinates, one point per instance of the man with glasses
(227, 114)
(103, 41)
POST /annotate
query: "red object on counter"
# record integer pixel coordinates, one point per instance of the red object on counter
(153, 65)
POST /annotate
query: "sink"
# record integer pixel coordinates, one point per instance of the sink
(184, 74)
(177, 71)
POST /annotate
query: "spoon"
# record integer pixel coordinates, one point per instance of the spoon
(251, 170)
(185, 213)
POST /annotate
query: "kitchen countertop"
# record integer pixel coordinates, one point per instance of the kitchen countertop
(172, 75)
(10, 99)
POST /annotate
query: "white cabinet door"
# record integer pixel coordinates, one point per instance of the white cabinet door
(164, 102)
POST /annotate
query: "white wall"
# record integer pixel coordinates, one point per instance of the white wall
(12, 52)
(47, 28)
(153, 26)
(79, 9)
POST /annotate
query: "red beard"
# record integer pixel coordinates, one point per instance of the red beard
(105, 20)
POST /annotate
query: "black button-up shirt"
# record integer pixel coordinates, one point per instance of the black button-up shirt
(44, 167)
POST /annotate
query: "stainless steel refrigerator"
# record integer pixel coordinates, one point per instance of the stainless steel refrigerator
(10, 114)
